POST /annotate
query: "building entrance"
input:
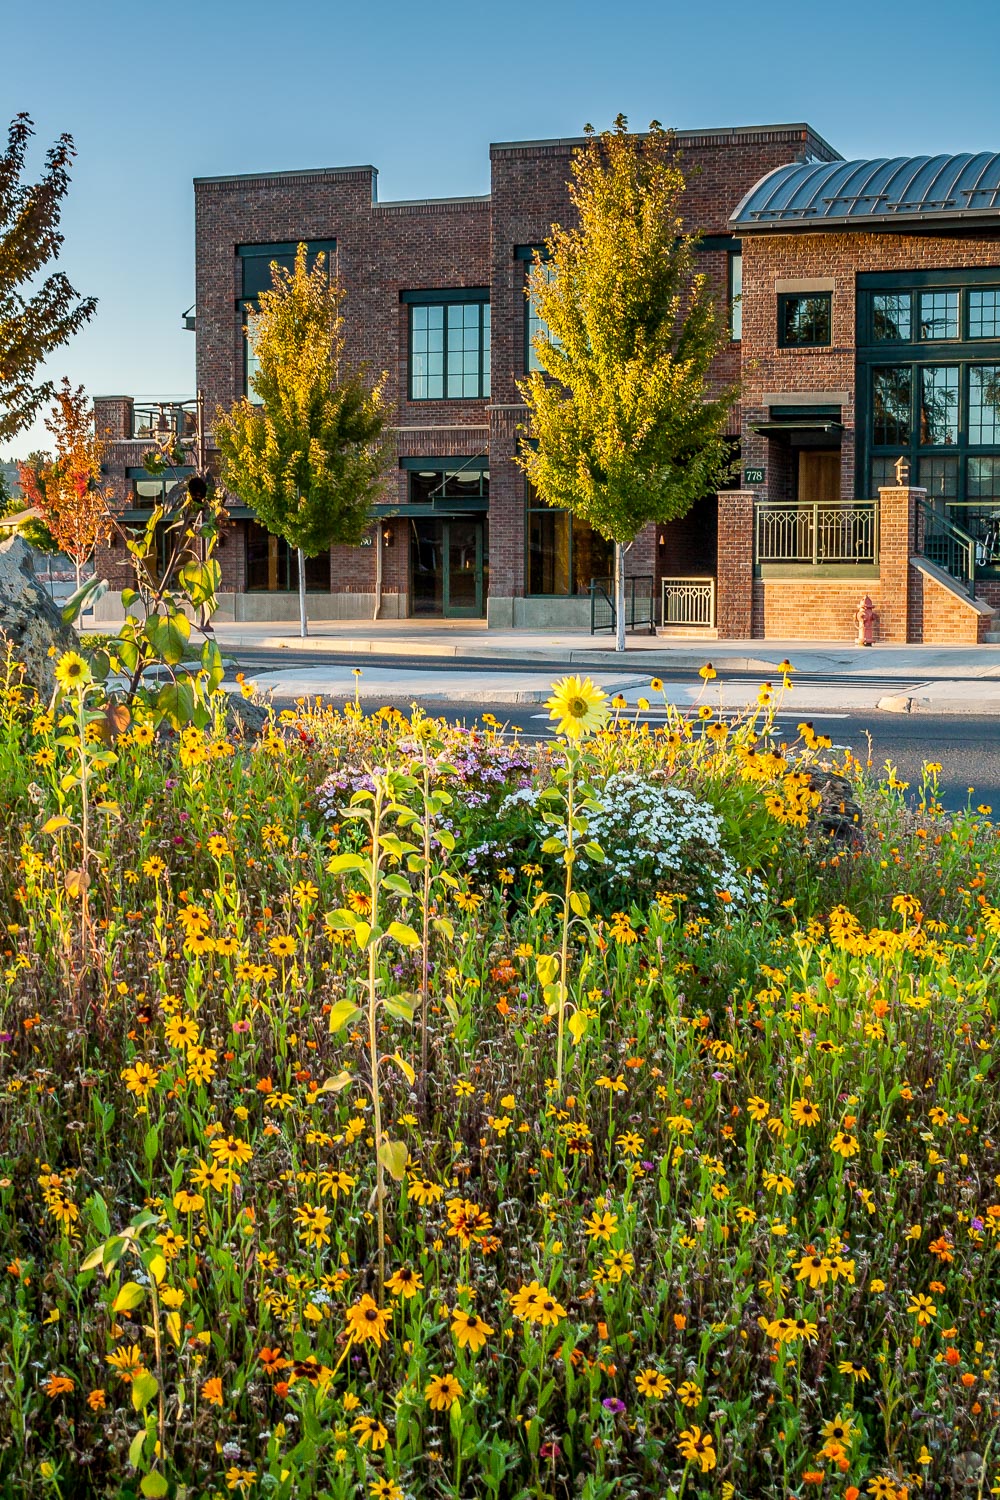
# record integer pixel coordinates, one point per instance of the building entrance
(448, 567)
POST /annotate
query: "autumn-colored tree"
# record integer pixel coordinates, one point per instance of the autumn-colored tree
(627, 428)
(309, 458)
(67, 490)
(35, 317)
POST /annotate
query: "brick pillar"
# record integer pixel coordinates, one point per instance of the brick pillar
(898, 610)
(734, 597)
(113, 417)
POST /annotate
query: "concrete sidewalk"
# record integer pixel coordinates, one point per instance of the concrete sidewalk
(466, 639)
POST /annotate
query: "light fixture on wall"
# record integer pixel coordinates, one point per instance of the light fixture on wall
(387, 535)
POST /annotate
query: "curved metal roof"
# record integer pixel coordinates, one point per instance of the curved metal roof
(891, 190)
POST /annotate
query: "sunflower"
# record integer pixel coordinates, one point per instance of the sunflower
(579, 707)
(72, 671)
(442, 1391)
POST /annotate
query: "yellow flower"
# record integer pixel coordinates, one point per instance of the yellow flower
(405, 1282)
(804, 1112)
(442, 1391)
(707, 672)
(369, 1430)
(140, 1079)
(366, 1320)
(469, 1329)
(601, 1226)
(72, 671)
(652, 1384)
(696, 1447)
(578, 707)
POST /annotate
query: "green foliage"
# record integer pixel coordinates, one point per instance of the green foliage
(309, 459)
(627, 427)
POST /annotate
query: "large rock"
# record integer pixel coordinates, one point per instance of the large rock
(28, 619)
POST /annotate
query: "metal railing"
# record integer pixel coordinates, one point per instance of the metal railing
(639, 612)
(844, 531)
(947, 545)
(688, 601)
(164, 420)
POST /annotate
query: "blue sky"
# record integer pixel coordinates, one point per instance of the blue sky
(156, 94)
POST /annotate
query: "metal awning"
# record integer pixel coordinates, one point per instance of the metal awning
(774, 429)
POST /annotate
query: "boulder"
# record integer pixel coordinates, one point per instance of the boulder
(838, 815)
(29, 620)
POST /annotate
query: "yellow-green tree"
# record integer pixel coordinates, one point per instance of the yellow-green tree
(310, 456)
(625, 427)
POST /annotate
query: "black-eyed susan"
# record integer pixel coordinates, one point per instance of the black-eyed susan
(697, 1447)
(366, 1321)
(652, 1384)
(470, 1330)
(442, 1392)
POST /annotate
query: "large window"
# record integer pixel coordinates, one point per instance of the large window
(273, 566)
(736, 294)
(564, 553)
(937, 405)
(534, 324)
(460, 480)
(449, 345)
(804, 319)
(256, 276)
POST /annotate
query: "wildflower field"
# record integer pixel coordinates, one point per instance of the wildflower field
(389, 1109)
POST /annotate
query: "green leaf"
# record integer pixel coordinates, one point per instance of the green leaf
(144, 1388)
(155, 1486)
(340, 863)
(404, 934)
(547, 967)
(580, 903)
(335, 1084)
(129, 1297)
(445, 927)
(342, 1014)
(404, 1067)
(168, 635)
(211, 661)
(398, 884)
(135, 1448)
(341, 920)
(95, 588)
(403, 1007)
(392, 1155)
(175, 701)
(129, 596)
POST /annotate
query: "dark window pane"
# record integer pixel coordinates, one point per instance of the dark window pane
(939, 477)
(984, 404)
(891, 407)
(984, 478)
(548, 552)
(984, 315)
(592, 555)
(883, 475)
(939, 405)
(804, 320)
(273, 566)
(939, 315)
(891, 317)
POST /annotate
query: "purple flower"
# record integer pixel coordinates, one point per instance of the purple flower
(613, 1405)
(978, 1224)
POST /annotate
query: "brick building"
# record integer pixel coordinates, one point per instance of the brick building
(436, 296)
(865, 328)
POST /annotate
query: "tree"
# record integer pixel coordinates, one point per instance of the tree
(67, 490)
(33, 529)
(626, 429)
(33, 322)
(309, 458)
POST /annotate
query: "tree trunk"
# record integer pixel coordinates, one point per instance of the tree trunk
(303, 626)
(76, 564)
(619, 597)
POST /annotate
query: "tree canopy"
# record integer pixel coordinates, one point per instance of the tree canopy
(625, 426)
(34, 319)
(308, 455)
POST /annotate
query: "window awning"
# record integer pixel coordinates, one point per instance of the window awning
(785, 430)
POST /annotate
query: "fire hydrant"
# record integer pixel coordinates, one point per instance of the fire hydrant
(866, 622)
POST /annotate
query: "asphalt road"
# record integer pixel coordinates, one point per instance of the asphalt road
(967, 747)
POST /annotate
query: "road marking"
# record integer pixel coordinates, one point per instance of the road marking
(802, 717)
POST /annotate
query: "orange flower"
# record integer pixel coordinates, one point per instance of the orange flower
(97, 1400)
(212, 1391)
(58, 1385)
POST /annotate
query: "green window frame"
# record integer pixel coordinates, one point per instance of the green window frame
(805, 320)
(928, 390)
(448, 345)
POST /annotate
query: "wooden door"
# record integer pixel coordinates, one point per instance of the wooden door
(819, 475)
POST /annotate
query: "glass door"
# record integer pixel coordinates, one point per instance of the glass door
(463, 568)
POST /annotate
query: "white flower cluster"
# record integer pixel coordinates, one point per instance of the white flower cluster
(660, 837)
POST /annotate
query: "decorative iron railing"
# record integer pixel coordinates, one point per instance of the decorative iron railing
(639, 613)
(688, 601)
(942, 542)
(844, 531)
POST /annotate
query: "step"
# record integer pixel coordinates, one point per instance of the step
(688, 632)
